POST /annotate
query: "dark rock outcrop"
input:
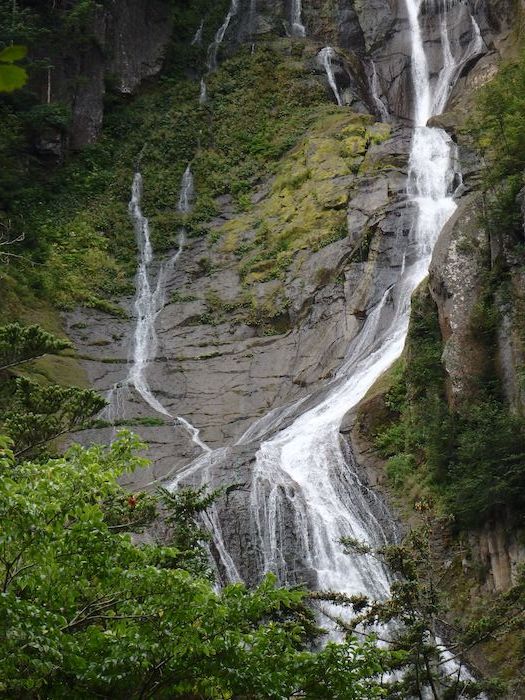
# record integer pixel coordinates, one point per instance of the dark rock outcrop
(125, 44)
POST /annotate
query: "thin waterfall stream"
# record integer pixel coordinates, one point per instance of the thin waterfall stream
(213, 49)
(298, 28)
(375, 89)
(150, 299)
(325, 57)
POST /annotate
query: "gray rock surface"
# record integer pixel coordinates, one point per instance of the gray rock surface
(222, 377)
(457, 274)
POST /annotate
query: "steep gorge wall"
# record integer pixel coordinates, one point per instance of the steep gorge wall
(243, 336)
(223, 376)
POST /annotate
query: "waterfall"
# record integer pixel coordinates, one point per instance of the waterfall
(213, 49)
(146, 302)
(186, 192)
(306, 491)
(376, 91)
(451, 67)
(298, 28)
(303, 469)
(150, 299)
(325, 58)
(219, 36)
(197, 38)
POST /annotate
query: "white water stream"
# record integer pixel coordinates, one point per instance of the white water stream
(213, 49)
(303, 478)
(325, 57)
(375, 89)
(298, 28)
(219, 36)
(197, 38)
(150, 299)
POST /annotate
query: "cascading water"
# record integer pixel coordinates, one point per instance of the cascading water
(149, 301)
(303, 474)
(325, 57)
(219, 36)
(203, 95)
(375, 90)
(303, 469)
(451, 66)
(197, 37)
(213, 49)
(298, 28)
(305, 490)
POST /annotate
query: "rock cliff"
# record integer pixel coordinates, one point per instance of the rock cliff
(118, 43)
(254, 325)
(275, 152)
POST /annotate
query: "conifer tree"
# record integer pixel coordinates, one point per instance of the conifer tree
(33, 415)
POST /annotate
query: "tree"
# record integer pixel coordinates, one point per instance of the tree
(33, 415)
(182, 510)
(85, 613)
(18, 344)
(39, 414)
(415, 618)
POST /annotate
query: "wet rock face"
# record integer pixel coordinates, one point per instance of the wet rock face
(129, 38)
(226, 357)
(237, 345)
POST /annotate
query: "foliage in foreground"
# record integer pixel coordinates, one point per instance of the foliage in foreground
(85, 613)
(32, 415)
(416, 617)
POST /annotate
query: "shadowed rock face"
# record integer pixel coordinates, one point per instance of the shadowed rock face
(126, 41)
(376, 30)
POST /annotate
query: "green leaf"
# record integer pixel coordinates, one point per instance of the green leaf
(13, 53)
(11, 78)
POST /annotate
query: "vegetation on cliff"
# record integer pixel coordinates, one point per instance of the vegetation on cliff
(69, 224)
(471, 458)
